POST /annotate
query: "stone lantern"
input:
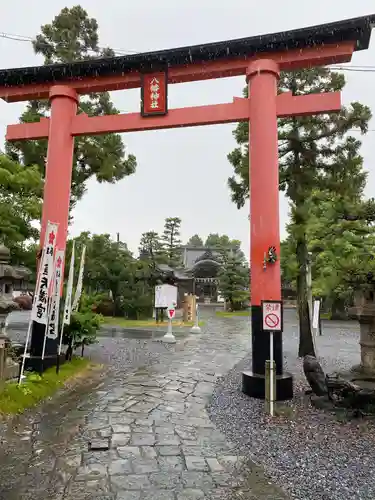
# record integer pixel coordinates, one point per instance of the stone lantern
(9, 278)
(364, 311)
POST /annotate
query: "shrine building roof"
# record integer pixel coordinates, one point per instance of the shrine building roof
(357, 30)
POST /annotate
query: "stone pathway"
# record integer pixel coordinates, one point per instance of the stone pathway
(146, 435)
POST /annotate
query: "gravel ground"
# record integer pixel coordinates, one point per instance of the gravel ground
(117, 352)
(310, 454)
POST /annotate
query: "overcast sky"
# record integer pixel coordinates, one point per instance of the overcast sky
(181, 173)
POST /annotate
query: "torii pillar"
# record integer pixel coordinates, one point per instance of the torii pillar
(56, 200)
(262, 76)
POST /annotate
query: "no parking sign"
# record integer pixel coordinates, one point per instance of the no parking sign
(272, 312)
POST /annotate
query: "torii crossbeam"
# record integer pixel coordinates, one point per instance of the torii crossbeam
(261, 59)
(237, 111)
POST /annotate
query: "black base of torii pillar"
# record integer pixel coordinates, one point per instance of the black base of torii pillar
(253, 382)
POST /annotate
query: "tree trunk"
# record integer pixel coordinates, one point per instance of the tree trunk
(69, 351)
(82, 349)
(338, 309)
(306, 344)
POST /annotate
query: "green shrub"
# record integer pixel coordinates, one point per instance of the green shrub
(137, 305)
(133, 303)
(98, 303)
(82, 331)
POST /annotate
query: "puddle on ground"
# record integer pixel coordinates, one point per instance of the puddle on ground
(139, 334)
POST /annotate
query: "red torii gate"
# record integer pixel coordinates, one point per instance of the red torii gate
(260, 58)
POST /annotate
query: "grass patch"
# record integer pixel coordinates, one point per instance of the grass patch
(143, 323)
(231, 314)
(326, 316)
(34, 388)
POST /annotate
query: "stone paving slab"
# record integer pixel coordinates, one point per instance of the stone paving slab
(146, 435)
(163, 444)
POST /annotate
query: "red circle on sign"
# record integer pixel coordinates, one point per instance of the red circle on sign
(272, 320)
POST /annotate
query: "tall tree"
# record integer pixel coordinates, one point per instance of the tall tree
(335, 252)
(220, 241)
(195, 241)
(151, 254)
(20, 207)
(108, 265)
(171, 240)
(340, 254)
(73, 36)
(233, 280)
(150, 247)
(223, 243)
(310, 149)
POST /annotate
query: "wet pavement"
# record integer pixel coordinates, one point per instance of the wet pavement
(139, 432)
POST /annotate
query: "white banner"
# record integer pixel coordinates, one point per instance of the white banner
(69, 291)
(53, 320)
(78, 293)
(39, 312)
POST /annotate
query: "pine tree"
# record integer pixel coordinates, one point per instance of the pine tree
(73, 36)
(339, 231)
(171, 241)
(195, 241)
(310, 151)
(224, 243)
(150, 248)
(233, 280)
(342, 255)
(341, 246)
(216, 240)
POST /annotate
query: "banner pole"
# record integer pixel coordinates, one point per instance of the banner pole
(30, 325)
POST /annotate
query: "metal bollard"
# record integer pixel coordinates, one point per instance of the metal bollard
(270, 398)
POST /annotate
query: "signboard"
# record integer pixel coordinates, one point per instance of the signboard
(39, 312)
(315, 319)
(154, 94)
(171, 311)
(272, 313)
(165, 295)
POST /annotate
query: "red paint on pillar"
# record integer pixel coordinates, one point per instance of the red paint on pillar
(262, 76)
(59, 162)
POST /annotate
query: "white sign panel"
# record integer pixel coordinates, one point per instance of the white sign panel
(315, 320)
(53, 322)
(165, 295)
(272, 316)
(39, 311)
